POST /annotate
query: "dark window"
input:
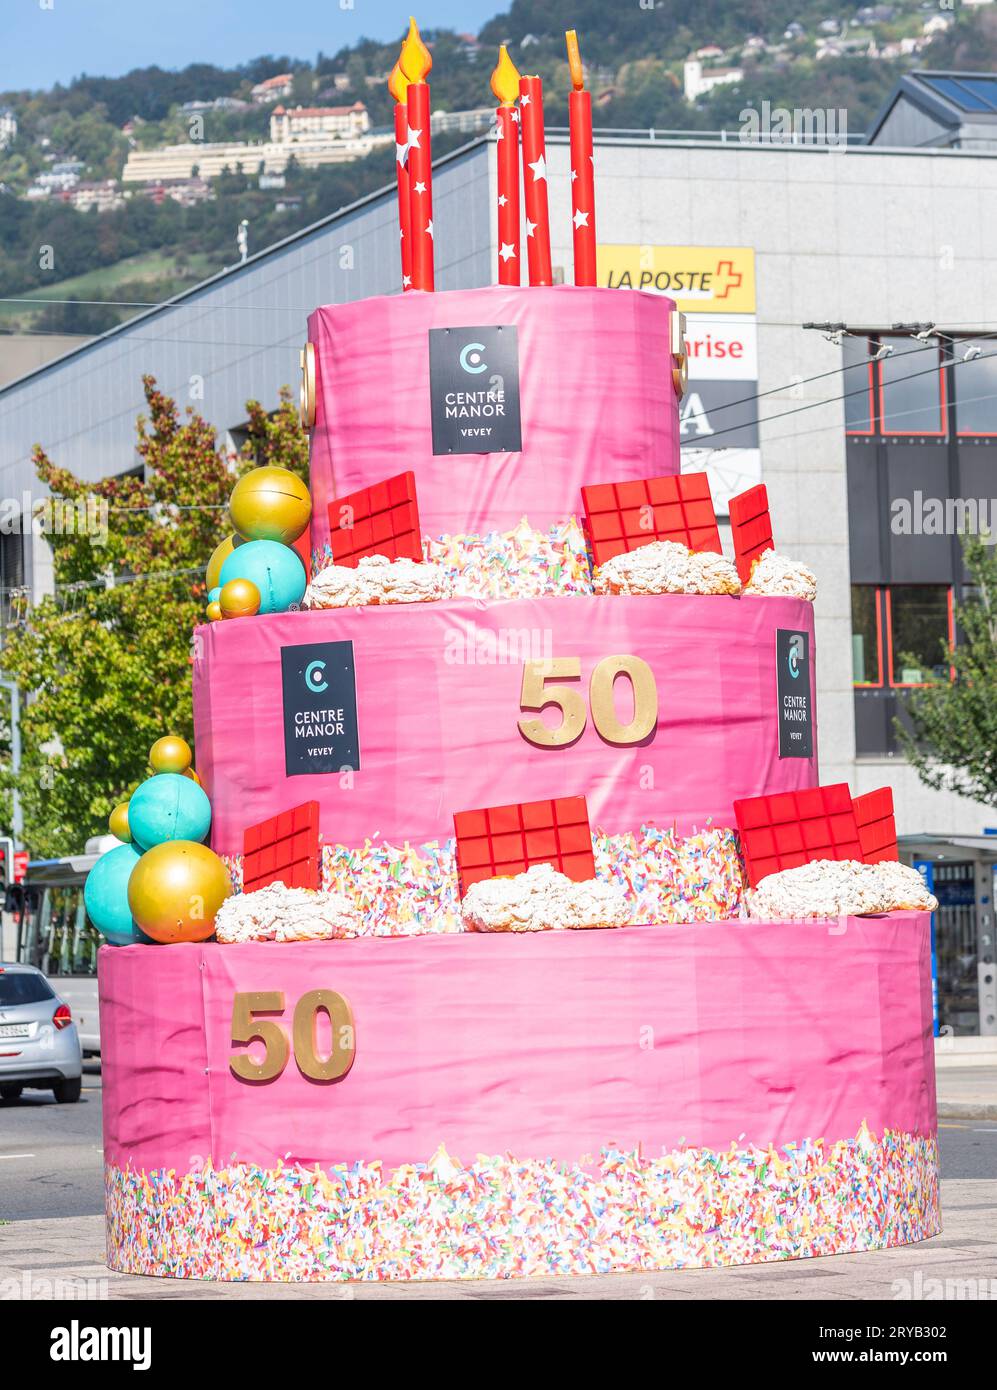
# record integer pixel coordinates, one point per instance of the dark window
(919, 624)
(26, 988)
(857, 377)
(976, 386)
(911, 390)
(867, 661)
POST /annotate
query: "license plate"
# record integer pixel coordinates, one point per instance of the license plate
(14, 1030)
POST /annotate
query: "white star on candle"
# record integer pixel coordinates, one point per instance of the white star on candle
(401, 234)
(419, 188)
(406, 281)
(574, 175)
(530, 227)
(413, 139)
(507, 252)
(525, 99)
(499, 132)
(429, 227)
(502, 200)
(539, 167)
(515, 113)
(581, 219)
(401, 153)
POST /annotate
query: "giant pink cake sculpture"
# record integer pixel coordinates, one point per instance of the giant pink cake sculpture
(687, 1090)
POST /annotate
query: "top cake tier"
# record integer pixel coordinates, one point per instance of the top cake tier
(502, 401)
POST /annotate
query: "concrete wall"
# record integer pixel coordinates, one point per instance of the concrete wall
(21, 353)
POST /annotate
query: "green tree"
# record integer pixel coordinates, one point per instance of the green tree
(952, 741)
(103, 664)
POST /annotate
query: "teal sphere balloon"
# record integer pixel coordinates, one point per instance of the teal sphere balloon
(214, 594)
(105, 894)
(275, 569)
(168, 807)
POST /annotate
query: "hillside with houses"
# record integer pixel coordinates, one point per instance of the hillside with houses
(156, 171)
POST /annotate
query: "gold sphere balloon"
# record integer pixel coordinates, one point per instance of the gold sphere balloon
(219, 555)
(170, 754)
(270, 504)
(239, 598)
(213, 612)
(175, 890)
(117, 823)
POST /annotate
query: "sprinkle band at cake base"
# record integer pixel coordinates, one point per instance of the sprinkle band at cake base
(554, 1103)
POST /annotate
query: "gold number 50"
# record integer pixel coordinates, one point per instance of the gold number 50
(537, 695)
(247, 1029)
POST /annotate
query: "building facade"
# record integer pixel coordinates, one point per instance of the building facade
(289, 124)
(889, 249)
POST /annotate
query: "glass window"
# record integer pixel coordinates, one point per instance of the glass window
(866, 667)
(16, 988)
(857, 388)
(911, 395)
(919, 633)
(976, 386)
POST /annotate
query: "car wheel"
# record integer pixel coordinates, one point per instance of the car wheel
(67, 1091)
(10, 1092)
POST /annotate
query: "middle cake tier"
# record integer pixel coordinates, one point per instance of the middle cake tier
(660, 710)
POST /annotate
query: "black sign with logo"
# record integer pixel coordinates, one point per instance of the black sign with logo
(320, 708)
(474, 390)
(796, 728)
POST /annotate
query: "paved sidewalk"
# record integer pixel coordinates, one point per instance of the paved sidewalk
(64, 1258)
(967, 1093)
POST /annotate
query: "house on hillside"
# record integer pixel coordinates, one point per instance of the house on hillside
(8, 127)
(273, 89)
(697, 80)
(318, 122)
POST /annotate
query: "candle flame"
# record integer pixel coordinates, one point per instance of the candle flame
(398, 83)
(415, 58)
(574, 60)
(505, 79)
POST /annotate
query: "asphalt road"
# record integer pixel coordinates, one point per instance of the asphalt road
(51, 1160)
(50, 1155)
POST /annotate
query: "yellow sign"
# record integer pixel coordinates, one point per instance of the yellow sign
(707, 279)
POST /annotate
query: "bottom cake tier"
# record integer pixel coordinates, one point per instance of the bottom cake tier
(497, 1106)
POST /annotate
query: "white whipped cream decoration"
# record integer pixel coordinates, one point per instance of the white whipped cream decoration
(777, 576)
(279, 913)
(839, 888)
(666, 567)
(376, 580)
(543, 900)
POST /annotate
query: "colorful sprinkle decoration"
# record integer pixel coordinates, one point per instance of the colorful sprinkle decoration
(409, 891)
(505, 1217)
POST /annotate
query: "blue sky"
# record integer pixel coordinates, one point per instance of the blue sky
(48, 41)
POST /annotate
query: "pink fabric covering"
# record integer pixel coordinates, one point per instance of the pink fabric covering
(596, 395)
(438, 723)
(543, 1046)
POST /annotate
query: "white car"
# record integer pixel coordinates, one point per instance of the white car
(39, 1043)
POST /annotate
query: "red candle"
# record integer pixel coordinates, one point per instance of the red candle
(535, 180)
(505, 85)
(582, 168)
(397, 84)
(416, 62)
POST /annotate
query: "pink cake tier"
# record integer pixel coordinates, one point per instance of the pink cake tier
(564, 1103)
(435, 690)
(595, 401)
